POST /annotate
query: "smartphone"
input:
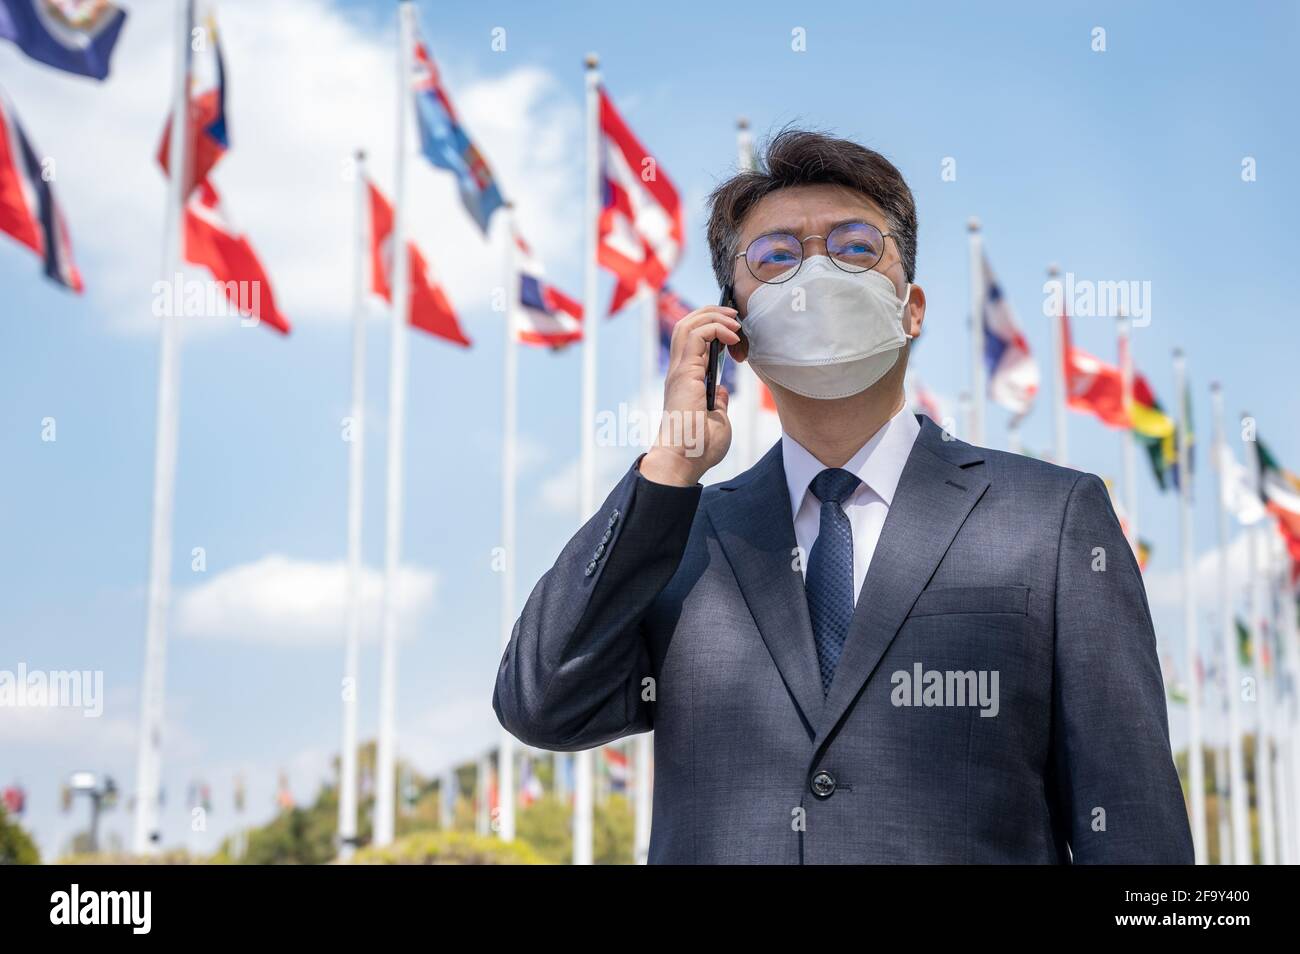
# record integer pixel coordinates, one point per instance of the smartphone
(717, 358)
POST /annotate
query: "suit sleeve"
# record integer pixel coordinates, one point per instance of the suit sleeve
(571, 676)
(1112, 769)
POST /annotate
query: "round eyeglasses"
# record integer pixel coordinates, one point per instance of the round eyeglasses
(852, 246)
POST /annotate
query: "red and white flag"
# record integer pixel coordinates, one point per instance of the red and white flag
(28, 211)
(208, 137)
(430, 310)
(213, 242)
(640, 228)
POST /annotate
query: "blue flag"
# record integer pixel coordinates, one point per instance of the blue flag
(445, 143)
(77, 37)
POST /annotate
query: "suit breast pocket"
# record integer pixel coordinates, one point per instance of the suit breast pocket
(945, 600)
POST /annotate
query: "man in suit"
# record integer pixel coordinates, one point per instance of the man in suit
(879, 644)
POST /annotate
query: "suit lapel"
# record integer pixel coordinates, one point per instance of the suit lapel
(751, 516)
(935, 495)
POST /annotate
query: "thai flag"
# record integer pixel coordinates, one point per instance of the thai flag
(209, 139)
(445, 143)
(617, 766)
(211, 241)
(1011, 370)
(73, 35)
(543, 315)
(640, 228)
(28, 210)
(671, 310)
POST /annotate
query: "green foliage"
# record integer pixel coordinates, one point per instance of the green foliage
(449, 848)
(545, 826)
(16, 846)
(614, 830)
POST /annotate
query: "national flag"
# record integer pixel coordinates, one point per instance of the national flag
(530, 786)
(543, 315)
(616, 765)
(1156, 431)
(927, 402)
(77, 36)
(213, 242)
(640, 228)
(14, 799)
(209, 138)
(1237, 489)
(1011, 370)
(430, 310)
(28, 210)
(445, 143)
(671, 308)
(1091, 385)
(1280, 490)
(1174, 687)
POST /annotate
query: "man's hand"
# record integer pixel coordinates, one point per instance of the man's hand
(692, 439)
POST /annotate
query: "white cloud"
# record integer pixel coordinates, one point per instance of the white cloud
(307, 85)
(295, 602)
(1165, 588)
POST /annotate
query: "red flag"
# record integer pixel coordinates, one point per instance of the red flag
(429, 308)
(211, 241)
(1091, 385)
(208, 137)
(640, 227)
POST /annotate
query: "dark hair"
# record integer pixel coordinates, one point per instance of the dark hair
(795, 157)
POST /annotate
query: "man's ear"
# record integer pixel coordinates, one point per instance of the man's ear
(914, 312)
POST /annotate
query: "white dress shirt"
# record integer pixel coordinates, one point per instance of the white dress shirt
(879, 465)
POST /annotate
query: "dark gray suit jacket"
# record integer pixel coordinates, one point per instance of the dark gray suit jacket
(682, 610)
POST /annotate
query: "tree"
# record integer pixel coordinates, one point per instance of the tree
(16, 846)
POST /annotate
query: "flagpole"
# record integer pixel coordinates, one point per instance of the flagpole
(1125, 341)
(746, 403)
(1238, 797)
(583, 807)
(1195, 752)
(1058, 389)
(976, 331)
(509, 465)
(1289, 632)
(386, 755)
(356, 475)
(1263, 767)
(148, 780)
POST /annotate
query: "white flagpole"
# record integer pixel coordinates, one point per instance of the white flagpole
(509, 464)
(1263, 761)
(1195, 752)
(746, 403)
(356, 475)
(976, 332)
(1125, 341)
(386, 756)
(1238, 796)
(583, 806)
(1058, 379)
(148, 780)
(1014, 443)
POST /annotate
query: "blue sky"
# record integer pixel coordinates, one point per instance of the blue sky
(1120, 165)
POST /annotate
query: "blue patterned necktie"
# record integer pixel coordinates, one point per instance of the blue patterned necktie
(829, 581)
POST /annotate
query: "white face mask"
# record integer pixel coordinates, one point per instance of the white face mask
(826, 333)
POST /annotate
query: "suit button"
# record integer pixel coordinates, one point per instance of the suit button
(600, 551)
(613, 518)
(591, 568)
(609, 534)
(823, 784)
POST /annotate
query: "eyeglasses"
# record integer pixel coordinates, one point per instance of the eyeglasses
(852, 246)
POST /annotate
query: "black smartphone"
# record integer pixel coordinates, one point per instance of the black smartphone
(717, 357)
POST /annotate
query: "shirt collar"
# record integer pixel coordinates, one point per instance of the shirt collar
(878, 463)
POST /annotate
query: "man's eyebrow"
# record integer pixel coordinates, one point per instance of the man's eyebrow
(790, 230)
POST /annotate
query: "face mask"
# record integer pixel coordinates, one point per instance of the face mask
(848, 334)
